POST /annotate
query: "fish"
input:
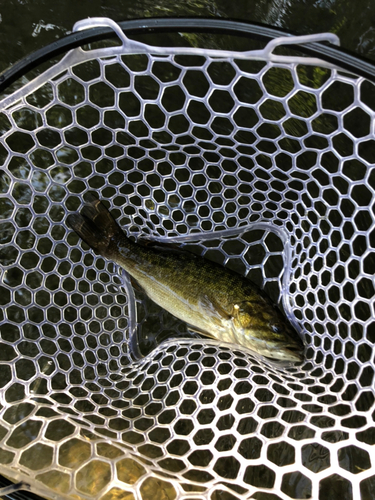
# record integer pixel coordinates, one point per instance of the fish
(210, 298)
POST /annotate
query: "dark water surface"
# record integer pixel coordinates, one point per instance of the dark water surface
(27, 25)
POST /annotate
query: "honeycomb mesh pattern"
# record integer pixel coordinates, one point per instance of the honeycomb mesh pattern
(264, 167)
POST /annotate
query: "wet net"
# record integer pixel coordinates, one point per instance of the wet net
(261, 162)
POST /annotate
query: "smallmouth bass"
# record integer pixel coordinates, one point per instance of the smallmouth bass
(211, 299)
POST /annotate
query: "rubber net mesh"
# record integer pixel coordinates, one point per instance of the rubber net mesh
(266, 168)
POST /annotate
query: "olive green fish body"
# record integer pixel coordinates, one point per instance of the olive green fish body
(205, 295)
(189, 287)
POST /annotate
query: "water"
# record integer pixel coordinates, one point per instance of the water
(26, 25)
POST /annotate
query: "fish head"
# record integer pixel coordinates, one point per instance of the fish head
(265, 331)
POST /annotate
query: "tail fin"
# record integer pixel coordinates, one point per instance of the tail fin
(96, 226)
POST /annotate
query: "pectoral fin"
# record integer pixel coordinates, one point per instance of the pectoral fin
(214, 308)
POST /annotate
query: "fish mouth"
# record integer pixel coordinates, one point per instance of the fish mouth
(287, 350)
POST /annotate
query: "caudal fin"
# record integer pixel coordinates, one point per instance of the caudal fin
(96, 226)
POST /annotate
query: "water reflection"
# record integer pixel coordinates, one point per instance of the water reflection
(37, 26)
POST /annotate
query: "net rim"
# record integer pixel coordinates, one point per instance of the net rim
(258, 31)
